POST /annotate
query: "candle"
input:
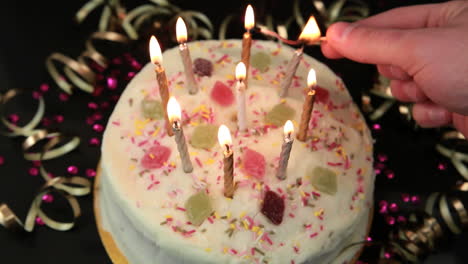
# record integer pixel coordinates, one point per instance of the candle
(308, 106)
(310, 34)
(181, 32)
(249, 23)
(240, 88)
(156, 59)
(174, 113)
(224, 138)
(285, 150)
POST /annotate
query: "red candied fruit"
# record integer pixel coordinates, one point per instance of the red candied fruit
(254, 163)
(273, 207)
(222, 94)
(321, 95)
(155, 157)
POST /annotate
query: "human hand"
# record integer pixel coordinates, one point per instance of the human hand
(422, 49)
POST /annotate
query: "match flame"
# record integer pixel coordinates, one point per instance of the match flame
(311, 31)
(155, 51)
(311, 79)
(249, 21)
(240, 71)
(288, 129)
(224, 137)
(181, 31)
(173, 110)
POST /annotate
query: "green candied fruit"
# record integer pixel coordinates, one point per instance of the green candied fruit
(280, 114)
(261, 61)
(324, 180)
(204, 136)
(198, 208)
(152, 109)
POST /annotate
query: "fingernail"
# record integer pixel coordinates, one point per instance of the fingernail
(437, 115)
(341, 30)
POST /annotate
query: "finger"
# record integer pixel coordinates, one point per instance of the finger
(431, 115)
(330, 52)
(407, 91)
(461, 123)
(393, 72)
(420, 16)
(373, 45)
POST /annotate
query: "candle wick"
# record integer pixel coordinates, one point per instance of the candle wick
(176, 124)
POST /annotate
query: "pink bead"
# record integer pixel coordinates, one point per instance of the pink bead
(72, 170)
(90, 173)
(2, 160)
(112, 83)
(415, 199)
(377, 171)
(401, 219)
(98, 128)
(94, 142)
(39, 221)
(382, 157)
(387, 255)
(48, 198)
(130, 75)
(14, 118)
(59, 118)
(369, 239)
(135, 65)
(390, 175)
(383, 207)
(92, 105)
(390, 220)
(405, 197)
(442, 166)
(63, 97)
(44, 87)
(376, 127)
(33, 171)
(393, 207)
(36, 95)
(97, 116)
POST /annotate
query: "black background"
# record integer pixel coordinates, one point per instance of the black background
(31, 30)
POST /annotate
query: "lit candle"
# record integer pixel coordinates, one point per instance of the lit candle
(174, 113)
(241, 115)
(310, 34)
(224, 138)
(308, 106)
(249, 23)
(156, 59)
(181, 32)
(285, 150)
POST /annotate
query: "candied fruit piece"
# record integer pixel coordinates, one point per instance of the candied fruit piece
(261, 61)
(321, 95)
(198, 208)
(254, 163)
(222, 94)
(204, 136)
(280, 114)
(155, 157)
(152, 108)
(273, 207)
(202, 67)
(324, 180)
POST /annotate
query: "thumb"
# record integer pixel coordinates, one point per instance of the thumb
(372, 45)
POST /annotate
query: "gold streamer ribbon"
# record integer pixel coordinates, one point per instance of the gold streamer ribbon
(457, 157)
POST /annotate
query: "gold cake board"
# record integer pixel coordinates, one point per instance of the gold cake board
(116, 254)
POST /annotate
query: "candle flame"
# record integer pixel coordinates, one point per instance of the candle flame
(249, 21)
(173, 110)
(288, 128)
(224, 137)
(311, 79)
(311, 31)
(155, 51)
(181, 31)
(240, 71)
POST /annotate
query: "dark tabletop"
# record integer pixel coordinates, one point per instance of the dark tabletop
(32, 31)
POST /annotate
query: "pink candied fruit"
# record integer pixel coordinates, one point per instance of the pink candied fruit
(254, 163)
(222, 94)
(155, 157)
(321, 95)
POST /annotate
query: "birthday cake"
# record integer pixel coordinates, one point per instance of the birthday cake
(157, 213)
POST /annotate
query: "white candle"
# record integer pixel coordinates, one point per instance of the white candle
(310, 34)
(285, 150)
(174, 113)
(181, 32)
(240, 89)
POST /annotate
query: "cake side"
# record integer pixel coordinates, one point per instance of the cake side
(315, 222)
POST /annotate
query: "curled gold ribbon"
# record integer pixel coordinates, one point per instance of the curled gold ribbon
(52, 153)
(457, 157)
(91, 51)
(27, 129)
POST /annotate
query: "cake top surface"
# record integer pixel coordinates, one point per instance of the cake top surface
(329, 177)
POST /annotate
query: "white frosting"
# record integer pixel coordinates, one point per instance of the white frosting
(344, 145)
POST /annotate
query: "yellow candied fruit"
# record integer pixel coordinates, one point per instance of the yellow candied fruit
(208, 249)
(225, 250)
(258, 77)
(168, 216)
(132, 167)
